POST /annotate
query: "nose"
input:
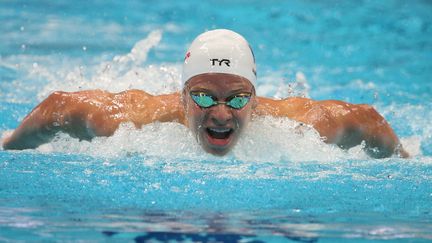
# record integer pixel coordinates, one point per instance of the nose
(220, 115)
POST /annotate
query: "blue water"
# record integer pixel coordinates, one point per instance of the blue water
(276, 185)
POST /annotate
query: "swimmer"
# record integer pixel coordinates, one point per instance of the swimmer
(217, 102)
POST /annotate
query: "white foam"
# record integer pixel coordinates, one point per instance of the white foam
(414, 118)
(4, 135)
(412, 145)
(270, 148)
(281, 139)
(267, 139)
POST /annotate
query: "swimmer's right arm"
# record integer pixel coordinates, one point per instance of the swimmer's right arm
(86, 114)
(75, 113)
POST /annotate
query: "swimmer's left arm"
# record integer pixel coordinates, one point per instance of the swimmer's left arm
(348, 125)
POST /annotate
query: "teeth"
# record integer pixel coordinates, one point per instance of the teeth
(220, 129)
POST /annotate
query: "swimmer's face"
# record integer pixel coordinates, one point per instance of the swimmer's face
(217, 128)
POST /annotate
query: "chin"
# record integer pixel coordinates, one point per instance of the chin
(218, 151)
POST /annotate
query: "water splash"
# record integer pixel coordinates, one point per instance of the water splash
(271, 148)
(139, 52)
(287, 140)
(121, 73)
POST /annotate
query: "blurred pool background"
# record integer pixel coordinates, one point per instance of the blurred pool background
(276, 185)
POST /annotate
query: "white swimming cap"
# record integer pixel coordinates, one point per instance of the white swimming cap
(219, 51)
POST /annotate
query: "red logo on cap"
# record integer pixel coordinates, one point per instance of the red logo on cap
(187, 56)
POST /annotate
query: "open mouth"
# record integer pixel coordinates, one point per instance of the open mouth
(219, 133)
(219, 137)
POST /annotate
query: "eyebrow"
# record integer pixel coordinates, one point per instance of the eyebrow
(237, 91)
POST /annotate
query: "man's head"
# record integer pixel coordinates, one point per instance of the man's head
(218, 94)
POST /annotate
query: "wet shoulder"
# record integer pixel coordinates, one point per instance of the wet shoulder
(288, 107)
(134, 94)
(337, 108)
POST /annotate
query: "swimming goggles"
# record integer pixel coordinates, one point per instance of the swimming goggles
(205, 100)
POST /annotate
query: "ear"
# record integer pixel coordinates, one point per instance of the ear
(184, 100)
(254, 99)
(184, 96)
(254, 102)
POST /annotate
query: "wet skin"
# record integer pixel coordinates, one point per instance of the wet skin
(219, 127)
(90, 113)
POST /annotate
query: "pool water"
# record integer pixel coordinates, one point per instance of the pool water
(278, 184)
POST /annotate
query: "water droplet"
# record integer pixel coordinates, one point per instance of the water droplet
(84, 48)
(22, 28)
(35, 65)
(23, 46)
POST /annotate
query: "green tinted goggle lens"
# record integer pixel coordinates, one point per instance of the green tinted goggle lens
(205, 101)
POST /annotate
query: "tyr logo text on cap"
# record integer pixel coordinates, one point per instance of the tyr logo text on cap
(216, 61)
